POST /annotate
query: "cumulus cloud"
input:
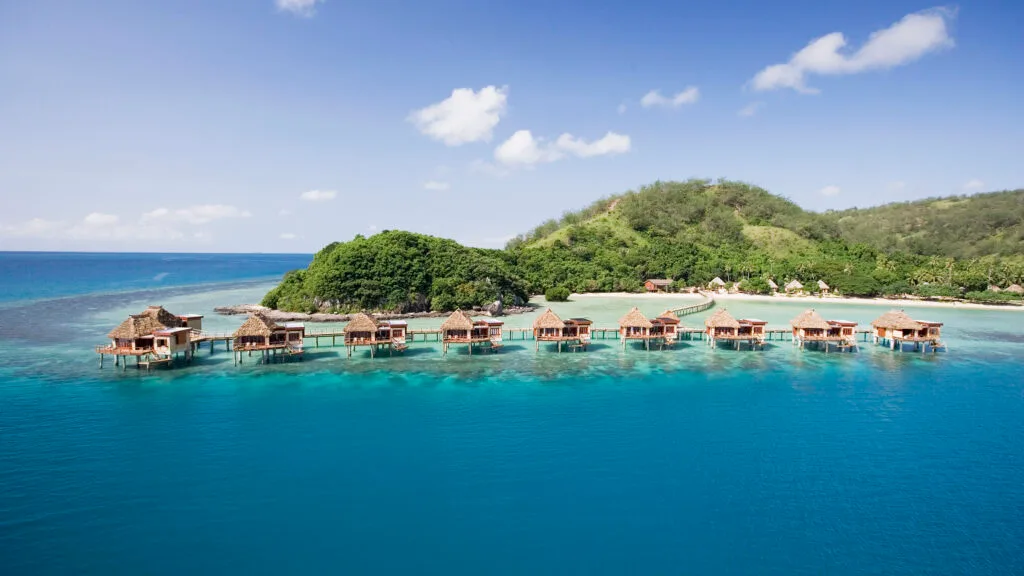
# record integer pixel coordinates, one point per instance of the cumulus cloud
(973, 185)
(465, 116)
(654, 98)
(305, 8)
(909, 39)
(435, 185)
(318, 195)
(99, 219)
(750, 109)
(831, 190)
(196, 214)
(34, 228)
(523, 149)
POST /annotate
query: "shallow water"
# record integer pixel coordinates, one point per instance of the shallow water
(611, 461)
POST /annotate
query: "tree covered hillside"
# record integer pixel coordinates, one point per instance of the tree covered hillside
(398, 272)
(693, 231)
(958, 226)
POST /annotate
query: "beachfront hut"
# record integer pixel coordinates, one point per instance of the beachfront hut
(896, 327)
(272, 340)
(365, 330)
(794, 287)
(716, 284)
(773, 285)
(548, 327)
(459, 328)
(822, 287)
(994, 288)
(1015, 289)
(722, 326)
(657, 284)
(809, 326)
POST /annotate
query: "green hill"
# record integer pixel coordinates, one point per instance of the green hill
(958, 226)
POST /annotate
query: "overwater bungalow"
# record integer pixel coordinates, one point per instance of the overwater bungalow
(722, 326)
(657, 284)
(152, 337)
(272, 340)
(811, 327)
(575, 332)
(794, 287)
(365, 330)
(635, 326)
(896, 328)
(459, 328)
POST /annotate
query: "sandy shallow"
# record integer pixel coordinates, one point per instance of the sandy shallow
(815, 300)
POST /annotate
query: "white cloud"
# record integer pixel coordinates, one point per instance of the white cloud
(831, 190)
(465, 116)
(622, 108)
(305, 8)
(750, 109)
(973, 185)
(522, 149)
(197, 214)
(288, 236)
(34, 228)
(435, 185)
(905, 41)
(654, 98)
(318, 195)
(99, 219)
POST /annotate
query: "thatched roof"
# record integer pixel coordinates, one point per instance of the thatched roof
(1015, 288)
(772, 284)
(994, 288)
(897, 320)
(721, 319)
(256, 325)
(136, 326)
(822, 285)
(794, 285)
(717, 282)
(362, 323)
(548, 320)
(163, 316)
(809, 320)
(668, 314)
(635, 319)
(459, 320)
(660, 281)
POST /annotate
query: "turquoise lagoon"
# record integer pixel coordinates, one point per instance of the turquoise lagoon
(690, 460)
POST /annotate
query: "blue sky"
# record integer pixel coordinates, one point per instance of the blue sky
(282, 125)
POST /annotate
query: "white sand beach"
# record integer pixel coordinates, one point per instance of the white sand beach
(810, 300)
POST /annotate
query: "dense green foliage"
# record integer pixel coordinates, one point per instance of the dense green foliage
(689, 232)
(958, 226)
(400, 272)
(557, 294)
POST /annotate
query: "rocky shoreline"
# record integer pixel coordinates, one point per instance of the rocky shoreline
(282, 316)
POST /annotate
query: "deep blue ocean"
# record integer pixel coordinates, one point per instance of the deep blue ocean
(689, 461)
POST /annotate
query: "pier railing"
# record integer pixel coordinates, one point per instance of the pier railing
(709, 301)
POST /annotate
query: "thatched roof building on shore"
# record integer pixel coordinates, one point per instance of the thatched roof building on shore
(1015, 289)
(822, 287)
(773, 285)
(794, 286)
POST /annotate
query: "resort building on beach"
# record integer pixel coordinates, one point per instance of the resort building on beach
(459, 328)
(773, 286)
(896, 328)
(822, 287)
(794, 287)
(657, 285)
(716, 284)
(811, 327)
(635, 326)
(152, 337)
(722, 326)
(365, 330)
(575, 332)
(1015, 289)
(273, 341)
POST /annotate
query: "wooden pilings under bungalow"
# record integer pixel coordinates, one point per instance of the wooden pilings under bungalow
(722, 326)
(365, 330)
(810, 327)
(459, 328)
(274, 342)
(663, 329)
(895, 328)
(574, 332)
